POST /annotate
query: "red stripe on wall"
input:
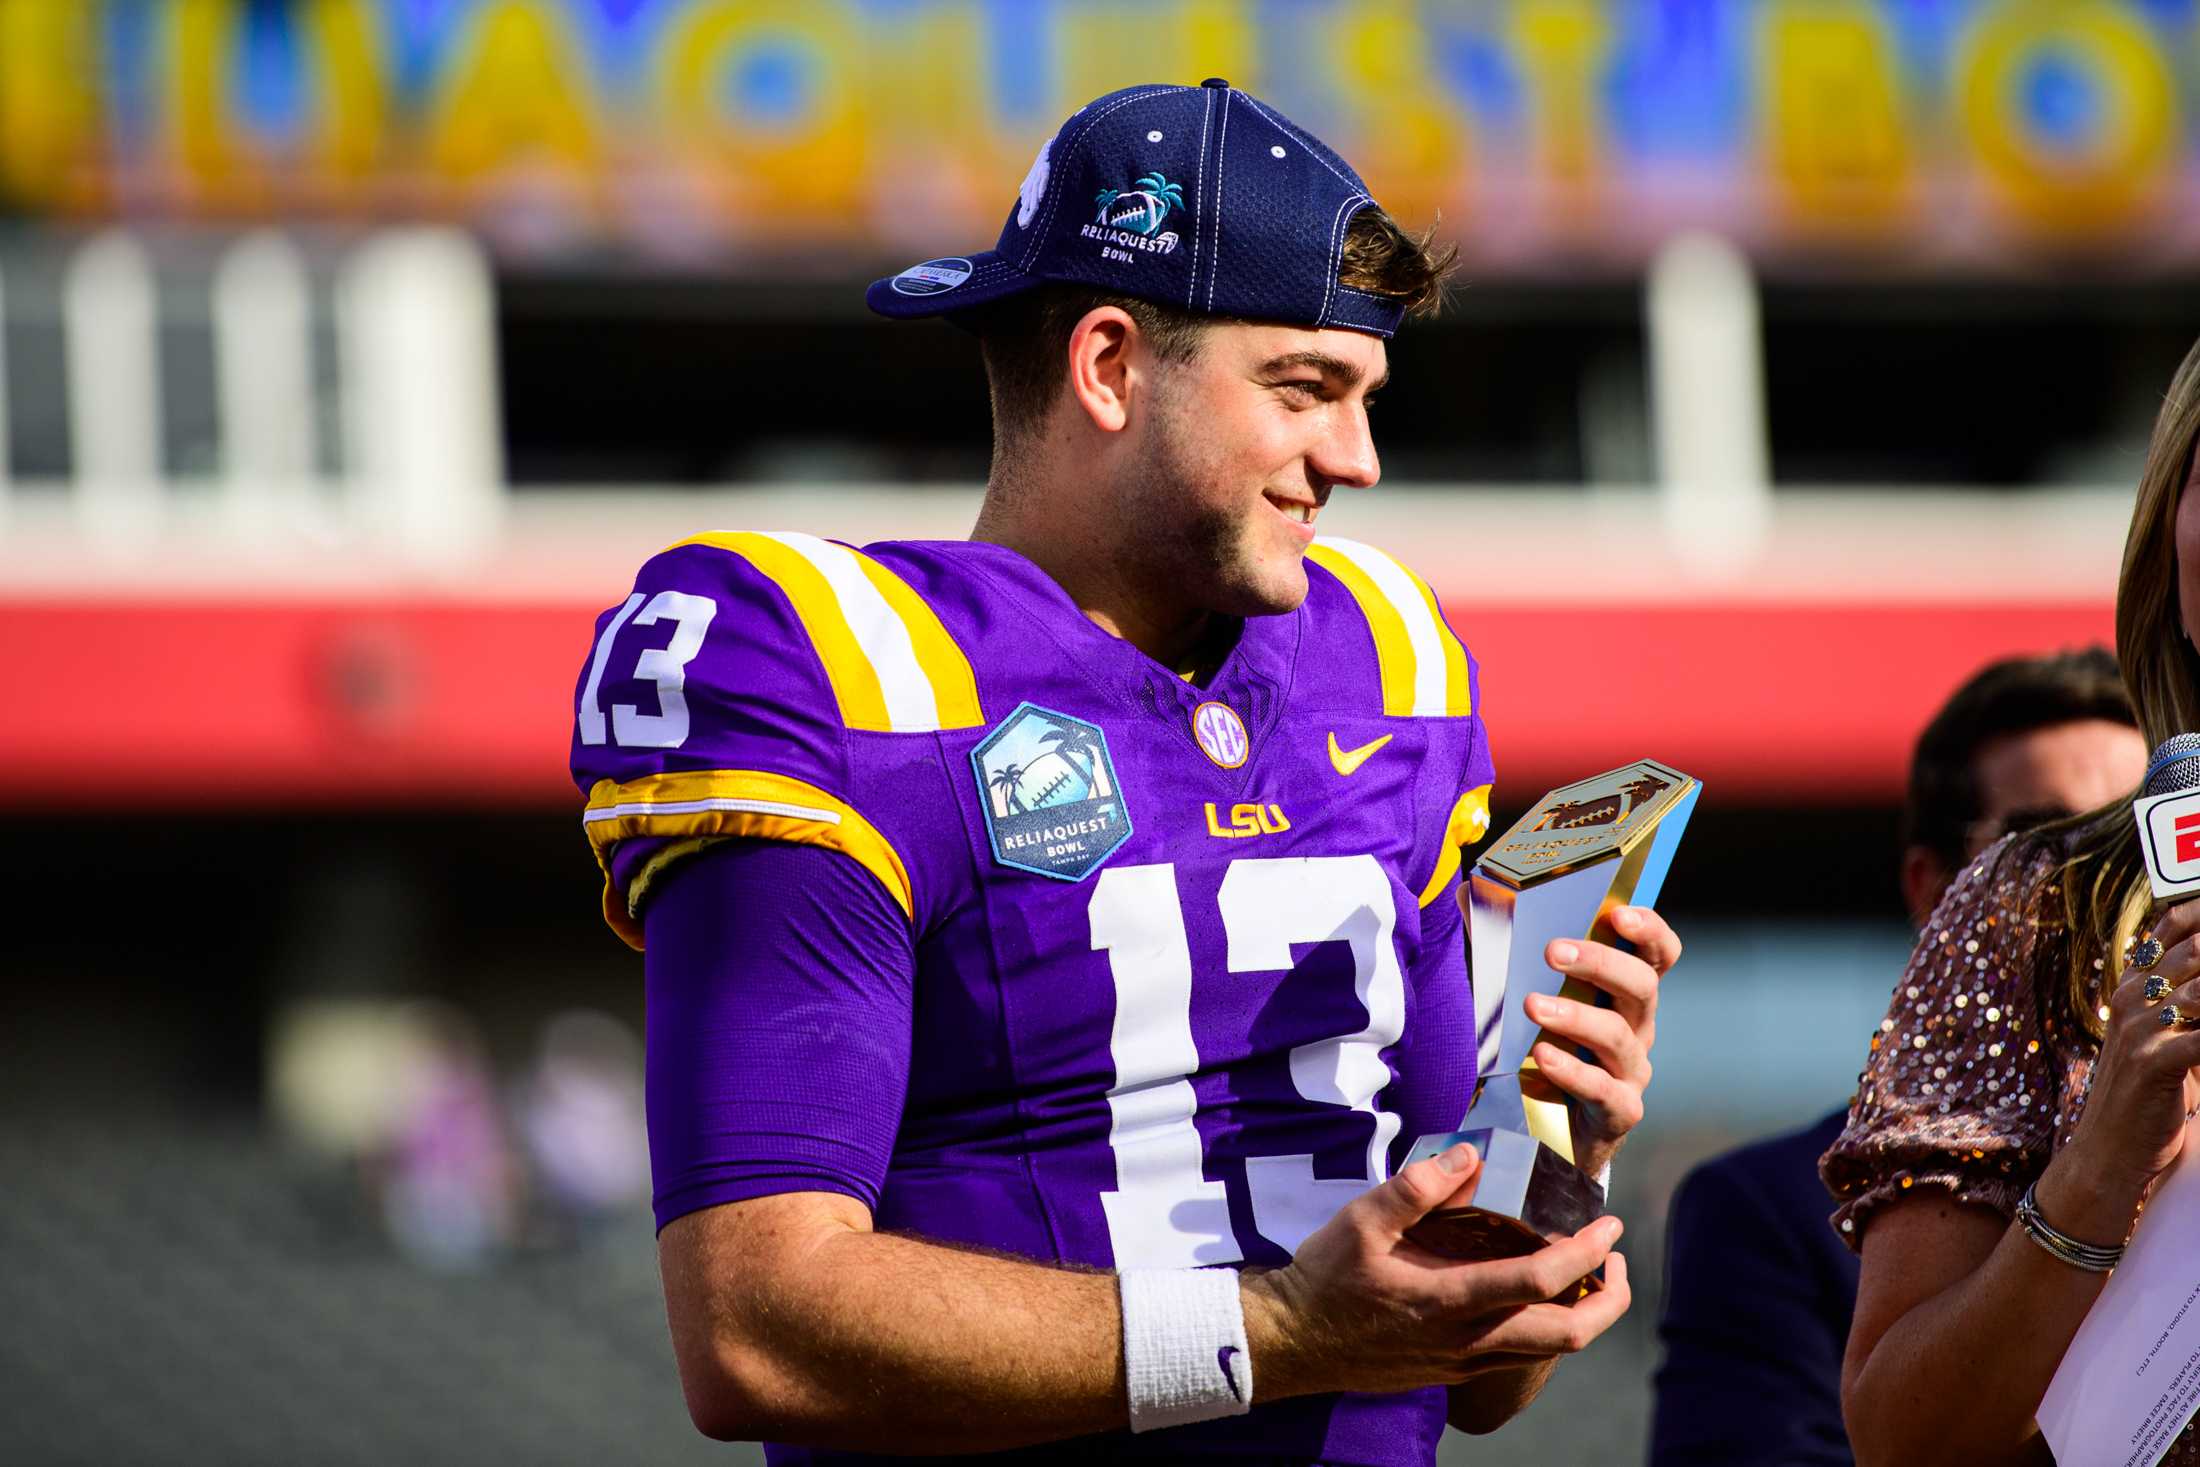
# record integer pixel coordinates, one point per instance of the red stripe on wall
(1804, 703)
(189, 704)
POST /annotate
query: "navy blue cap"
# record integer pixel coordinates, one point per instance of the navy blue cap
(1197, 197)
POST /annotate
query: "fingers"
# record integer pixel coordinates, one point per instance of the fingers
(2177, 924)
(1618, 1103)
(1618, 1045)
(2179, 965)
(2180, 960)
(1655, 943)
(2180, 1050)
(1543, 1330)
(1632, 982)
(1475, 1289)
(1419, 1189)
(2178, 930)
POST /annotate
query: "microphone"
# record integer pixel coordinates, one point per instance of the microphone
(2175, 765)
(2167, 813)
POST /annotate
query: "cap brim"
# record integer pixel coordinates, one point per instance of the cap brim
(932, 287)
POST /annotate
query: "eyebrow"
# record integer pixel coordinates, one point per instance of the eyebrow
(1321, 361)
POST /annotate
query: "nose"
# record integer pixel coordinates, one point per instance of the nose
(1346, 453)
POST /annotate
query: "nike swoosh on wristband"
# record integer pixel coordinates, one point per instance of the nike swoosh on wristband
(1222, 1358)
(1345, 761)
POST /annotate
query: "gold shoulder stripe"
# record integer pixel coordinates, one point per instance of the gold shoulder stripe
(1424, 669)
(954, 684)
(1393, 650)
(892, 664)
(1470, 818)
(1458, 687)
(733, 802)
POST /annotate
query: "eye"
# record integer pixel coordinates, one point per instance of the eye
(1306, 387)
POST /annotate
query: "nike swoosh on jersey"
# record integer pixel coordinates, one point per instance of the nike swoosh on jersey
(1347, 761)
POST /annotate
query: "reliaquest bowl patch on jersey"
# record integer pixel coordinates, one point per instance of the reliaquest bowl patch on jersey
(1048, 788)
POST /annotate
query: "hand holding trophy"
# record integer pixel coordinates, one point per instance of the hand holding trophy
(1580, 853)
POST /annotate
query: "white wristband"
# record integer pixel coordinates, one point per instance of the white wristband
(1184, 1350)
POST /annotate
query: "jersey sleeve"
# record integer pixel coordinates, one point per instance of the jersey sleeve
(1437, 1065)
(719, 699)
(780, 981)
(1420, 671)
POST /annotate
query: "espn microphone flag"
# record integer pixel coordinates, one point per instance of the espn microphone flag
(2168, 817)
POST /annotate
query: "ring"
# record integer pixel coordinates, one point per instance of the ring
(2144, 952)
(2157, 988)
(2174, 1017)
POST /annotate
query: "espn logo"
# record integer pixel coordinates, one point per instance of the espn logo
(2169, 838)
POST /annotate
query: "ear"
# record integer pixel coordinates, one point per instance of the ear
(1101, 348)
(1924, 878)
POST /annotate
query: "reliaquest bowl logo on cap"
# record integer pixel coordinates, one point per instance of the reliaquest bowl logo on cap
(1130, 219)
(933, 277)
(1141, 207)
(1052, 804)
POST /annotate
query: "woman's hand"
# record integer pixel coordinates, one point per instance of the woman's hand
(2143, 1090)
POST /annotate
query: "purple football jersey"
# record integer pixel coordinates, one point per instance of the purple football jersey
(1178, 950)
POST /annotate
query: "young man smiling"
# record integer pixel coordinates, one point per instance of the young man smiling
(1053, 939)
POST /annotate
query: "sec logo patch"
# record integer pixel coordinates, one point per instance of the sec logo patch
(1052, 803)
(1221, 734)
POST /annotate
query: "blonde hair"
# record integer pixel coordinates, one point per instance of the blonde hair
(2102, 881)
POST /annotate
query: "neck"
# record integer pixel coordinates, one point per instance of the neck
(1054, 526)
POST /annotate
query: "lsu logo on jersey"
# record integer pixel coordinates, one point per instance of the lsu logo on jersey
(1052, 803)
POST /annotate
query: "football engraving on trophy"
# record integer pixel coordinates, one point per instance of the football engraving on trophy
(1579, 853)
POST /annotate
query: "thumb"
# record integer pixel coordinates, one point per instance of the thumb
(1418, 1190)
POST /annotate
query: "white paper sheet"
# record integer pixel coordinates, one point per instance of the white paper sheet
(2131, 1378)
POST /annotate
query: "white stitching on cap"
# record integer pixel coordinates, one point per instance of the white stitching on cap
(1305, 138)
(1222, 151)
(1039, 234)
(1336, 248)
(1199, 182)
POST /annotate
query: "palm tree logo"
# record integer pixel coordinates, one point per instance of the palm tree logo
(1004, 780)
(1077, 744)
(1141, 207)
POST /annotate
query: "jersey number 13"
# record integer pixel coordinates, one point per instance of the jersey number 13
(1164, 1213)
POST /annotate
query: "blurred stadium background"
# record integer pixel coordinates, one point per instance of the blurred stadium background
(353, 353)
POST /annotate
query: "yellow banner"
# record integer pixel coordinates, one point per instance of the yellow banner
(884, 128)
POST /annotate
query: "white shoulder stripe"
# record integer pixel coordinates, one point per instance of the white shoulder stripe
(878, 630)
(697, 807)
(1422, 633)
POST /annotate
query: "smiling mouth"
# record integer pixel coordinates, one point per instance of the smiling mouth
(1294, 509)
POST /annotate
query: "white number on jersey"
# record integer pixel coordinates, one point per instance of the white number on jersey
(666, 666)
(1164, 1213)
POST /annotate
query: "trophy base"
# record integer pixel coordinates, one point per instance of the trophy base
(1547, 1198)
(1474, 1234)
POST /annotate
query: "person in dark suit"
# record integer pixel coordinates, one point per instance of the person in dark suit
(1758, 1289)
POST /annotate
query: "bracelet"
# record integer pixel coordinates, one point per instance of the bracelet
(2091, 1257)
(1185, 1357)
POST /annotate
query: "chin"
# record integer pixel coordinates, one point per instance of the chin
(1271, 588)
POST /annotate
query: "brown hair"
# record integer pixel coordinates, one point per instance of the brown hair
(2102, 882)
(1024, 338)
(2012, 696)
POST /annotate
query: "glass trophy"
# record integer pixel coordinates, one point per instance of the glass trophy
(1582, 851)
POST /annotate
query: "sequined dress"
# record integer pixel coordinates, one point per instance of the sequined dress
(1973, 1081)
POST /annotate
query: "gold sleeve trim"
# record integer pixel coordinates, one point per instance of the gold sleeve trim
(1470, 820)
(722, 803)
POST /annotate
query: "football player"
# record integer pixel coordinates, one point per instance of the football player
(1053, 939)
